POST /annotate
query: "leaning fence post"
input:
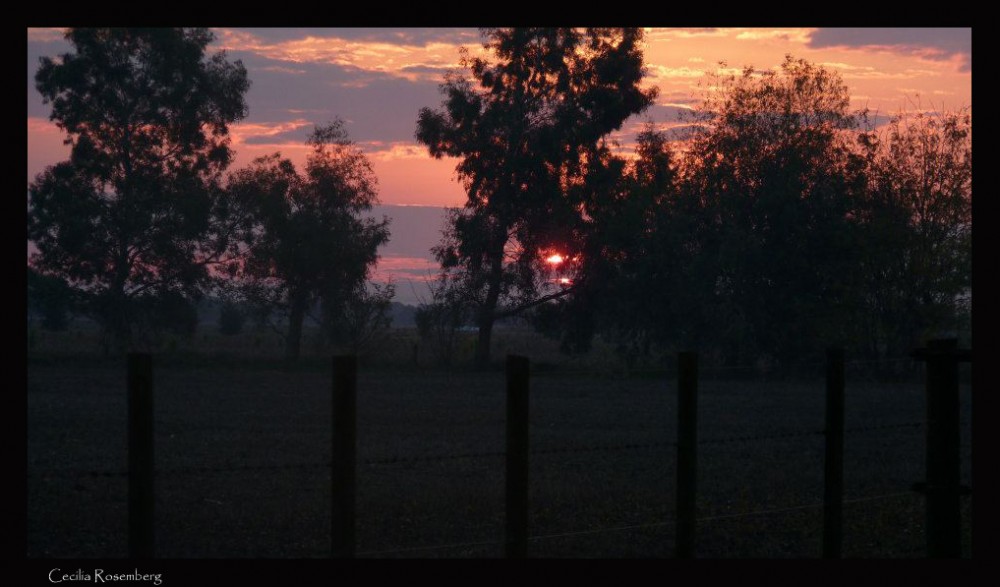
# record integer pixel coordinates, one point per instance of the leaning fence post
(833, 496)
(687, 438)
(516, 538)
(140, 456)
(944, 536)
(344, 438)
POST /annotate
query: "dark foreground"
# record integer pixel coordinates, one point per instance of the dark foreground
(242, 455)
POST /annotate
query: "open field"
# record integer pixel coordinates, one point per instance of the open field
(242, 451)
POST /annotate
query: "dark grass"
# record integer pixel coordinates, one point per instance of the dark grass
(241, 448)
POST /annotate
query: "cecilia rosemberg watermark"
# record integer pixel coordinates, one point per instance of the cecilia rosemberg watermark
(102, 576)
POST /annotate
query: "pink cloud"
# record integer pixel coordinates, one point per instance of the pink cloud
(401, 269)
(45, 146)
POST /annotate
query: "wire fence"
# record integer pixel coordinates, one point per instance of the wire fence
(631, 527)
(397, 459)
(415, 459)
(710, 371)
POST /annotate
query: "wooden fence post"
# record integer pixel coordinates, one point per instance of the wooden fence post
(944, 536)
(687, 439)
(516, 539)
(833, 496)
(343, 464)
(140, 456)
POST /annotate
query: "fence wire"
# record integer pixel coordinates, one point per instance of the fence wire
(752, 369)
(407, 549)
(660, 524)
(405, 459)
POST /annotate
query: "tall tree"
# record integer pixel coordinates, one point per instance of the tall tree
(136, 210)
(917, 229)
(527, 123)
(773, 164)
(626, 263)
(307, 243)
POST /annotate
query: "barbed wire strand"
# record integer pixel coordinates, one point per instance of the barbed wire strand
(492, 454)
(609, 529)
(805, 506)
(612, 370)
(602, 530)
(426, 548)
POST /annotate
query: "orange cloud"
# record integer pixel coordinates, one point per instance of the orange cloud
(660, 71)
(249, 130)
(408, 61)
(46, 35)
(795, 35)
(378, 150)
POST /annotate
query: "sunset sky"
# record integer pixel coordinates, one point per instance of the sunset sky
(378, 79)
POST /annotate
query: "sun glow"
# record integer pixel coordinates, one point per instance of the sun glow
(555, 259)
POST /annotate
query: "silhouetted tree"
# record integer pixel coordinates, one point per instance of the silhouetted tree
(136, 210)
(439, 321)
(733, 242)
(780, 227)
(773, 166)
(360, 320)
(527, 122)
(625, 263)
(307, 242)
(169, 312)
(917, 229)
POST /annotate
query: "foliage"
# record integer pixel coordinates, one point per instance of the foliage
(782, 227)
(527, 123)
(306, 242)
(136, 210)
(360, 320)
(917, 229)
(773, 169)
(439, 321)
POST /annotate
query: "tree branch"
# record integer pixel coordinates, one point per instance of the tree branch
(517, 310)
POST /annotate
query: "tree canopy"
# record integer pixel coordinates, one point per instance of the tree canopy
(306, 242)
(774, 165)
(528, 123)
(916, 226)
(134, 212)
(780, 226)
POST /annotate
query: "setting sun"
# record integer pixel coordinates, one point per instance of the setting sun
(555, 259)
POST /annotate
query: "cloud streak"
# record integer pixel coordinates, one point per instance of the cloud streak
(400, 55)
(936, 44)
(46, 35)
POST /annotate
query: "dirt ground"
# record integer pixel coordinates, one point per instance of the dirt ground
(242, 457)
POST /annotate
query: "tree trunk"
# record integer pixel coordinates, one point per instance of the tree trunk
(118, 315)
(487, 313)
(293, 341)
